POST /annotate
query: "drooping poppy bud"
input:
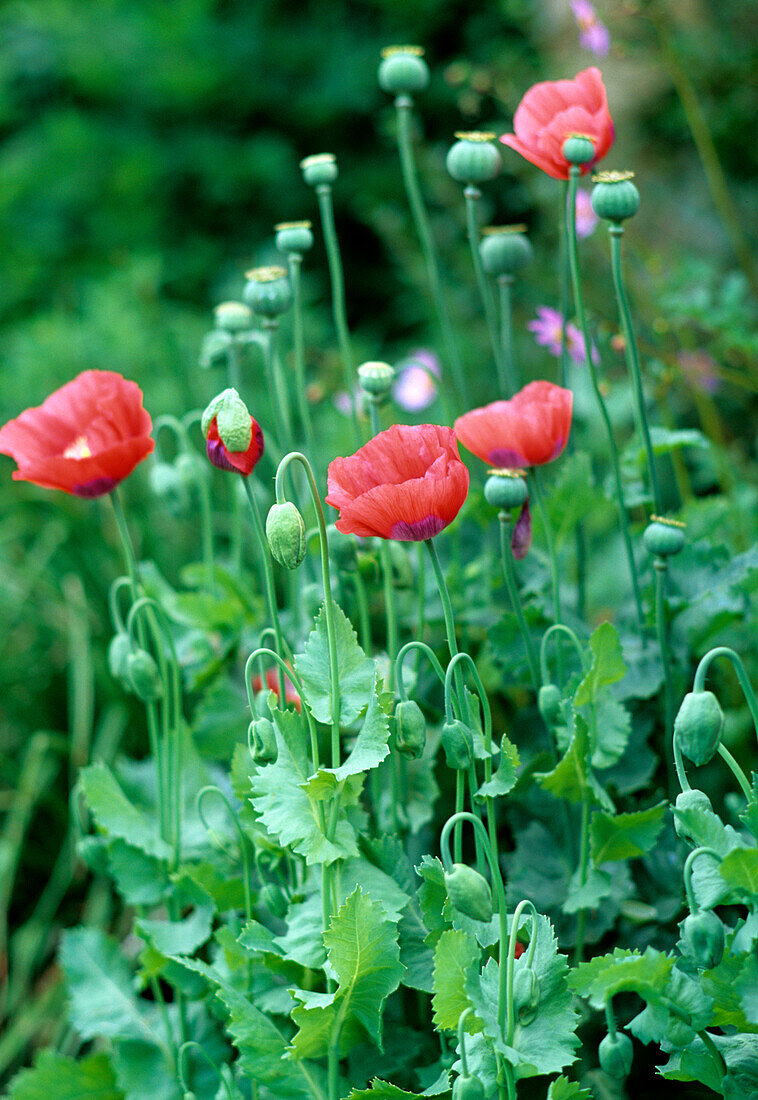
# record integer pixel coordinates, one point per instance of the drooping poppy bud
(698, 726)
(616, 1055)
(526, 994)
(469, 892)
(468, 1088)
(458, 743)
(119, 648)
(234, 440)
(274, 899)
(549, 704)
(143, 676)
(261, 739)
(410, 729)
(285, 532)
(689, 800)
(703, 938)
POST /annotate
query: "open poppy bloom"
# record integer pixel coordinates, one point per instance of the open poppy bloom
(84, 439)
(529, 430)
(553, 110)
(407, 483)
(272, 684)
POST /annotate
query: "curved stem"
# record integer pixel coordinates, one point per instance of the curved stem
(515, 924)
(505, 282)
(558, 628)
(181, 432)
(244, 851)
(294, 260)
(579, 306)
(747, 688)
(291, 672)
(113, 605)
(681, 774)
(633, 362)
(472, 195)
(334, 260)
(404, 108)
(687, 873)
(183, 1080)
(506, 553)
(736, 771)
(268, 580)
(421, 647)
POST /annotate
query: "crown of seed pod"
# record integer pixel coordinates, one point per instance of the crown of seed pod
(319, 169)
(403, 71)
(294, 236)
(505, 489)
(614, 196)
(504, 249)
(268, 291)
(663, 536)
(232, 317)
(473, 158)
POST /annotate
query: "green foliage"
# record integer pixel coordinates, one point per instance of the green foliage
(55, 1075)
(356, 671)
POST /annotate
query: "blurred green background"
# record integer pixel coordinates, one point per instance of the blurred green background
(146, 151)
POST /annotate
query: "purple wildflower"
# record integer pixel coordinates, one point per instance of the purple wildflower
(586, 218)
(548, 332)
(415, 388)
(700, 370)
(593, 34)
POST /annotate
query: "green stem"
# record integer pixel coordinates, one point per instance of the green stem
(294, 262)
(613, 452)
(268, 578)
(724, 651)
(364, 619)
(662, 632)
(421, 647)
(336, 276)
(736, 771)
(505, 282)
(472, 196)
(509, 572)
(633, 362)
(293, 675)
(687, 873)
(279, 394)
(184, 1077)
(535, 485)
(714, 1052)
(244, 850)
(181, 433)
(404, 108)
(584, 853)
(510, 1026)
(233, 374)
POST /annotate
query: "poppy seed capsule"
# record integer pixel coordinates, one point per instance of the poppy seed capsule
(505, 489)
(233, 317)
(526, 994)
(410, 729)
(505, 250)
(616, 1055)
(403, 71)
(285, 532)
(468, 1088)
(664, 537)
(579, 149)
(267, 291)
(614, 196)
(458, 743)
(262, 740)
(549, 704)
(294, 236)
(689, 800)
(698, 726)
(319, 169)
(469, 892)
(142, 674)
(376, 378)
(473, 158)
(703, 938)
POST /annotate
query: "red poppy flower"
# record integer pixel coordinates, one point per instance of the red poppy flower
(529, 430)
(84, 439)
(407, 483)
(272, 684)
(242, 462)
(553, 110)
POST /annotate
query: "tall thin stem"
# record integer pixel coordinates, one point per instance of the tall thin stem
(268, 580)
(294, 260)
(506, 553)
(505, 282)
(279, 394)
(472, 195)
(661, 627)
(724, 651)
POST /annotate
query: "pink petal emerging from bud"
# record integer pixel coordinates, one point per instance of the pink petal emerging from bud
(521, 536)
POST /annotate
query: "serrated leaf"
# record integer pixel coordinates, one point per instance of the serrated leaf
(504, 779)
(606, 975)
(140, 878)
(56, 1076)
(145, 1072)
(625, 836)
(101, 991)
(721, 984)
(739, 870)
(610, 730)
(665, 440)
(225, 890)
(571, 778)
(382, 1090)
(116, 815)
(588, 894)
(607, 664)
(363, 951)
(356, 670)
(750, 814)
(179, 937)
(746, 988)
(370, 748)
(563, 1089)
(693, 1064)
(456, 956)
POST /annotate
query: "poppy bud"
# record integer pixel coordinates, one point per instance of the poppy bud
(143, 676)
(319, 169)
(469, 892)
(403, 70)
(458, 743)
(267, 291)
(169, 485)
(262, 741)
(549, 703)
(679, 1032)
(274, 899)
(468, 1088)
(505, 489)
(664, 537)
(294, 236)
(616, 1055)
(698, 726)
(410, 729)
(285, 531)
(234, 440)
(504, 249)
(579, 149)
(614, 196)
(690, 800)
(118, 651)
(233, 317)
(526, 994)
(473, 158)
(703, 938)
(376, 379)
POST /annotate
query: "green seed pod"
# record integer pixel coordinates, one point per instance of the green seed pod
(403, 70)
(698, 726)
(274, 899)
(473, 158)
(285, 532)
(680, 1033)
(468, 1088)
(579, 149)
(410, 729)
(702, 937)
(469, 892)
(294, 237)
(143, 676)
(504, 250)
(689, 800)
(319, 169)
(458, 743)
(664, 537)
(118, 652)
(267, 291)
(549, 703)
(505, 489)
(614, 196)
(616, 1055)
(376, 378)
(233, 317)
(262, 741)
(526, 994)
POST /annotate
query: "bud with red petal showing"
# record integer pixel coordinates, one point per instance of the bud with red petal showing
(234, 438)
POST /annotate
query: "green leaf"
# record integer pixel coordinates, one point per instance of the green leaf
(456, 956)
(563, 1089)
(746, 988)
(606, 975)
(356, 671)
(116, 815)
(693, 1064)
(504, 779)
(382, 1090)
(611, 727)
(625, 836)
(179, 937)
(225, 890)
(370, 748)
(140, 878)
(432, 896)
(571, 778)
(665, 440)
(607, 664)
(55, 1076)
(362, 948)
(739, 870)
(722, 985)
(588, 894)
(144, 1071)
(100, 987)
